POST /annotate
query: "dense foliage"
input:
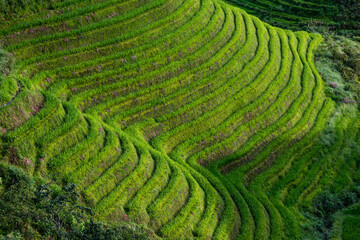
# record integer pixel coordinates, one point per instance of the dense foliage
(338, 59)
(327, 207)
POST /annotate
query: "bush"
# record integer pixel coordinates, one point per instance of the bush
(327, 203)
(348, 198)
(338, 61)
(16, 205)
(327, 206)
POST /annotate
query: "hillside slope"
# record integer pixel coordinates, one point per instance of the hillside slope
(188, 116)
(341, 16)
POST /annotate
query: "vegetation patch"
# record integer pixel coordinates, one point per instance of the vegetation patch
(192, 118)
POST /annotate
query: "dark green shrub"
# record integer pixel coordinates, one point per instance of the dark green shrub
(314, 228)
(348, 198)
(16, 202)
(327, 203)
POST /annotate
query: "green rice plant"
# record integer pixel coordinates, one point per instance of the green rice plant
(109, 103)
(268, 66)
(107, 88)
(23, 138)
(308, 176)
(9, 90)
(121, 192)
(211, 199)
(144, 107)
(111, 31)
(235, 116)
(337, 227)
(91, 170)
(336, 167)
(89, 9)
(293, 228)
(107, 179)
(89, 27)
(190, 116)
(10, 9)
(137, 40)
(108, 41)
(51, 106)
(66, 25)
(157, 142)
(171, 199)
(333, 16)
(246, 230)
(255, 187)
(73, 120)
(269, 11)
(195, 197)
(253, 183)
(69, 159)
(256, 103)
(259, 214)
(175, 178)
(28, 101)
(228, 217)
(137, 205)
(86, 80)
(288, 114)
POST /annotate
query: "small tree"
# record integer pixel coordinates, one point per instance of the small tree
(63, 209)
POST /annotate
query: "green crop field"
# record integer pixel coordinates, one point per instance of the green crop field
(341, 15)
(193, 118)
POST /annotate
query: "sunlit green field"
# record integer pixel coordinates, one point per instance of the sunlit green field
(194, 118)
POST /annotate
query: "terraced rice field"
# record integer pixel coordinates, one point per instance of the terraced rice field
(192, 117)
(298, 14)
(279, 9)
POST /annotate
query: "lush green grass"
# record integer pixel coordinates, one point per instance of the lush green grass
(191, 117)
